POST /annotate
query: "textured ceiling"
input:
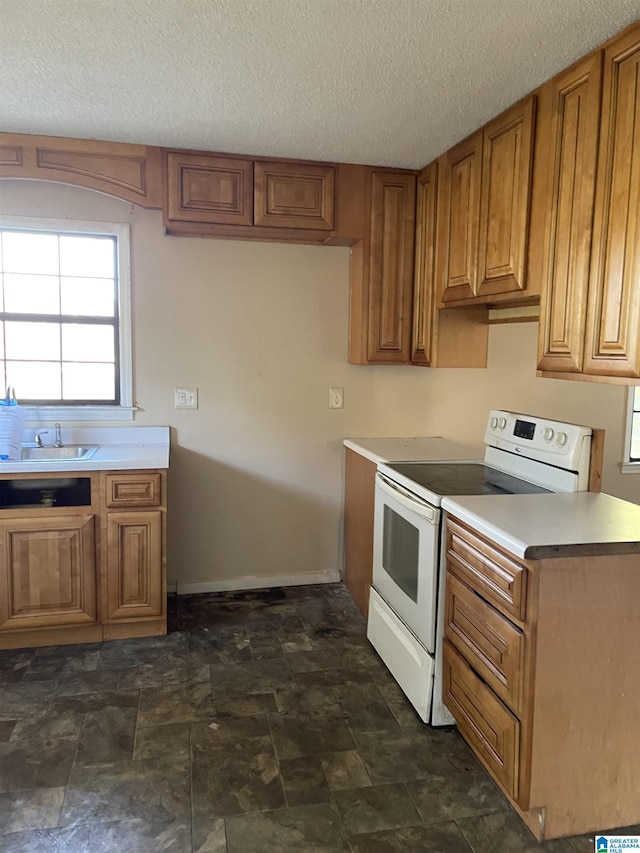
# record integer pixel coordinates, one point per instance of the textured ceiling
(386, 82)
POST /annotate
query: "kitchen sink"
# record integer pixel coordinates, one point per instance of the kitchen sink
(68, 453)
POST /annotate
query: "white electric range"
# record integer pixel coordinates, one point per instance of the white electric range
(524, 454)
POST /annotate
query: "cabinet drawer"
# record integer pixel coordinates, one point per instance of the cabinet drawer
(124, 490)
(487, 570)
(490, 728)
(488, 641)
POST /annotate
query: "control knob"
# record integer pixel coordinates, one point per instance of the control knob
(494, 423)
(561, 439)
(502, 422)
(548, 433)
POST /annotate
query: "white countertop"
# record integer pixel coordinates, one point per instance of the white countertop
(548, 525)
(119, 448)
(428, 448)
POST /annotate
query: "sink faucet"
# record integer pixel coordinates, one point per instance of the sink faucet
(57, 443)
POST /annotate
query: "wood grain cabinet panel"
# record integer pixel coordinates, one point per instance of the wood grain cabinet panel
(613, 312)
(294, 195)
(487, 570)
(424, 274)
(391, 266)
(359, 504)
(206, 188)
(461, 170)
(507, 158)
(131, 490)
(569, 117)
(47, 572)
(134, 586)
(492, 730)
(493, 645)
(129, 172)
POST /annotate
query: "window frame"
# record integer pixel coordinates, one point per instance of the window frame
(124, 410)
(629, 465)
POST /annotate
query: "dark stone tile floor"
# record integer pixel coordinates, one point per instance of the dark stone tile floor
(264, 721)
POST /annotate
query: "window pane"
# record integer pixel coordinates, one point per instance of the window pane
(32, 341)
(87, 343)
(30, 252)
(87, 256)
(34, 380)
(31, 294)
(90, 296)
(635, 436)
(88, 381)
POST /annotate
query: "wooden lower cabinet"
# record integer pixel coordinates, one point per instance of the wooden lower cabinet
(359, 501)
(134, 556)
(549, 701)
(47, 572)
(74, 574)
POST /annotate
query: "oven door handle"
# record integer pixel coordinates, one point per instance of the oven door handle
(410, 501)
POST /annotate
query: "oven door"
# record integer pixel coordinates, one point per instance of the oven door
(405, 557)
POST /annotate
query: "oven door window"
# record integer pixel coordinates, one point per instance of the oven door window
(400, 551)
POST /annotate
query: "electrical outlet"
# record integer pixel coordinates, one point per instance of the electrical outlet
(336, 398)
(186, 398)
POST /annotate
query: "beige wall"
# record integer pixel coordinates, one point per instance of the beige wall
(261, 329)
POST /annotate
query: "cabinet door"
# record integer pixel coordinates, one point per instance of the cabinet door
(507, 151)
(613, 312)
(47, 572)
(205, 188)
(460, 213)
(569, 118)
(424, 275)
(393, 199)
(294, 195)
(134, 585)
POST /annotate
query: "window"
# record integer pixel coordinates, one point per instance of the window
(632, 443)
(65, 317)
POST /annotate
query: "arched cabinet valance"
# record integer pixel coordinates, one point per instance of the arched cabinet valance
(130, 172)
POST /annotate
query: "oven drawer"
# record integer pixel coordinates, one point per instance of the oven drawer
(490, 643)
(488, 726)
(488, 571)
(406, 659)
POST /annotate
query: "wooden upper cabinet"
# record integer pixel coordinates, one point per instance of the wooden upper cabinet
(129, 172)
(294, 195)
(507, 152)
(484, 209)
(613, 312)
(459, 207)
(424, 274)
(211, 189)
(393, 197)
(207, 193)
(562, 212)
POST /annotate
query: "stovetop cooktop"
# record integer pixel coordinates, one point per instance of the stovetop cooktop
(471, 478)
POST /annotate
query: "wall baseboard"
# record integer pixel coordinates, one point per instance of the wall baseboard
(252, 582)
